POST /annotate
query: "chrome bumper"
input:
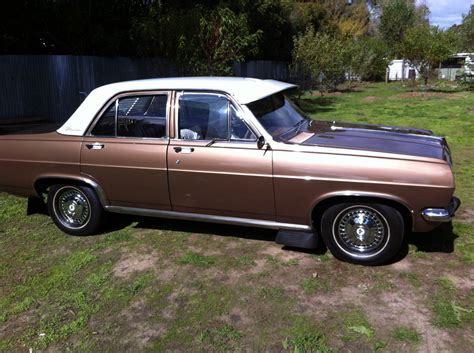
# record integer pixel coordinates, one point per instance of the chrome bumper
(441, 214)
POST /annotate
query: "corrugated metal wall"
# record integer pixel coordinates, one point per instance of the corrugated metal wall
(53, 86)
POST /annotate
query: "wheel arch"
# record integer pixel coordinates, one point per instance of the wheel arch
(43, 182)
(322, 204)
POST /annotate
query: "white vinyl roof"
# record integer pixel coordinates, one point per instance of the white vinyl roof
(244, 90)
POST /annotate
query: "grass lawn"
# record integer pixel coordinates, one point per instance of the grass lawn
(160, 285)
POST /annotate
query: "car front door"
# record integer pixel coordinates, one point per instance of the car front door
(125, 151)
(214, 164)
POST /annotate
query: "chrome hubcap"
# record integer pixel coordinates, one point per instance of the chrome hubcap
(360, 230)
(72, 207)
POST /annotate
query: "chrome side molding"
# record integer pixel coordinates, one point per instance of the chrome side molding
(249, 222)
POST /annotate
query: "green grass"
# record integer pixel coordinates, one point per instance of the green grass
(357, 325)
(314, 285)
(411, 277)
(197, 260)
(449, 309)
(222, 339)
(94, 294)
(305, 335)
(406, 334)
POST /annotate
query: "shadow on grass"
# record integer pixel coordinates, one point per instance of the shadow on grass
(206, 228)
(317, 104)
(439, 240)
(117, 222)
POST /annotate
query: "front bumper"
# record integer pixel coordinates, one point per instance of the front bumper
(441, 214)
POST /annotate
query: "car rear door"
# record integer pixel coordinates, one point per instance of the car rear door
(125, 150)
(214, 164)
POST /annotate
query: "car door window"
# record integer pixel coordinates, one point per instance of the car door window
(106, 124)
(135, 116)
(239, 129)
(207, 116)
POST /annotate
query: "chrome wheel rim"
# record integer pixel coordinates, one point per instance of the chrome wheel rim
(72, 207)
(361, 231)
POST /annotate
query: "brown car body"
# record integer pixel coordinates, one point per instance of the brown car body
(274, 184)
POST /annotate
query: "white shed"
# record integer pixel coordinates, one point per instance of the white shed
(401, 69)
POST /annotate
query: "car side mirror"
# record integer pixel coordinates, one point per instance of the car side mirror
(261, 142)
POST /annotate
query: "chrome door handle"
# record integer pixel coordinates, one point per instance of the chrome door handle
(95, 146)
(184, 149)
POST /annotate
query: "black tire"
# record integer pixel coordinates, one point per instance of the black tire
(363, 233)
(75, 209)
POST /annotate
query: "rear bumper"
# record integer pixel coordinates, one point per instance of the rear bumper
(441, 214)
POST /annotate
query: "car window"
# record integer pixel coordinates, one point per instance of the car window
(137, 116)
(277, 114)
(142, 116)
(106, 124)
(206, 117)
(203, 117)
(239, 130)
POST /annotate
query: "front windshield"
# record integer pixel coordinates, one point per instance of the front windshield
(277, 114)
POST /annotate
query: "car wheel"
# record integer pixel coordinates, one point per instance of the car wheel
(76, 210)
(370, 234)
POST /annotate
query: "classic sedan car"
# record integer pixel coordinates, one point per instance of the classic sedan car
(234, 151)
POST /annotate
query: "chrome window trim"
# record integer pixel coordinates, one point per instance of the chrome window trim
(116, 98)
(116, 116)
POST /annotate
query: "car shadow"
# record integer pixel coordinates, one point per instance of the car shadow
(117, 222)
(439, 240)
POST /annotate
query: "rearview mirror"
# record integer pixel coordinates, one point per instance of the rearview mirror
(261, 142)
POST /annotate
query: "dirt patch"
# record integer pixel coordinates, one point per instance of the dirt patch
(134, 262)
(404, 309)
(272, 250)
(141, 326)
(402, 265)
(466, 215)
(166, 272)
(426, 95)
(326, 94)
(370, 99)
(463, 283)
(237, 317)
(398, 306)
(17, 324)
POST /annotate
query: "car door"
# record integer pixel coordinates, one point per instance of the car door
(125, 151)
(214, 164)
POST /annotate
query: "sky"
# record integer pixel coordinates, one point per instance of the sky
(445, 13)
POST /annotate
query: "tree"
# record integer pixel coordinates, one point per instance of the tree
(426, 46)
(368, 57)
(396, 18)
(75, 27)
(355, 22)
(223, 38)
(467, 31)
(320, 60)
